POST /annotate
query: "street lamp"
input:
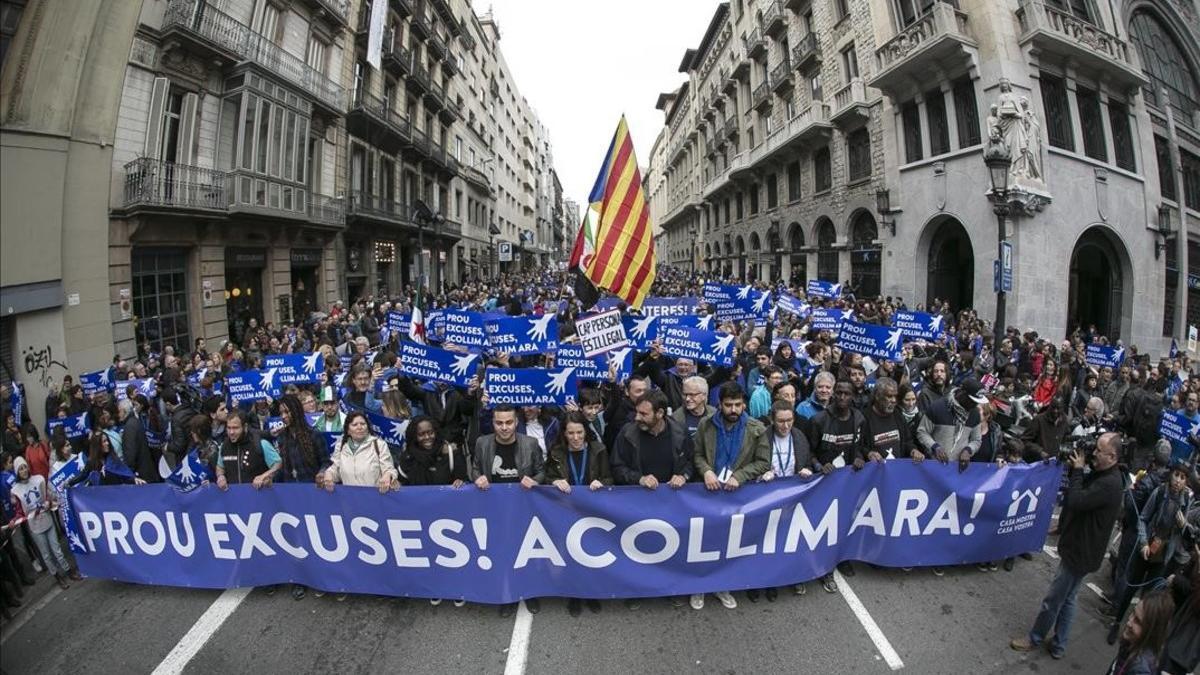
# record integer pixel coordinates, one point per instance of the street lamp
(883, 205)
(998, 160)
(423, 216)
(493, 232)
(1164, 229)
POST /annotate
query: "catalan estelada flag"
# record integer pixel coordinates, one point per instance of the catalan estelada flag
(618, 217)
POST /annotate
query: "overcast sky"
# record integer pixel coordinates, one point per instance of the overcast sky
(583, 63)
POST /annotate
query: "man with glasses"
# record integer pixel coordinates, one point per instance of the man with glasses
(695, 405)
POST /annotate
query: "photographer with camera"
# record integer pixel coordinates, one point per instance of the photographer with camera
(1160, 535)
(1090, 507)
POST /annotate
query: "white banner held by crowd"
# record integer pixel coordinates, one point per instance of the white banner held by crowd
(601, 333)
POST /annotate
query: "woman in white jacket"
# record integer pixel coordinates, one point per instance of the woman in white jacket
(360, 459)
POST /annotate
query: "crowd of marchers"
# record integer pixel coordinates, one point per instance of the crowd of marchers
(801, 407)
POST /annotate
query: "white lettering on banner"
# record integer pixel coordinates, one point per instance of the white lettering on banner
(448, 543)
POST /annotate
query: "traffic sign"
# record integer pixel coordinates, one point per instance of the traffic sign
(1006, 267)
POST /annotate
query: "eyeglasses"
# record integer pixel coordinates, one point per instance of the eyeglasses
(693, 394)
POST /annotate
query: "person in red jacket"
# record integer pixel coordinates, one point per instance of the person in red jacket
(37, 452)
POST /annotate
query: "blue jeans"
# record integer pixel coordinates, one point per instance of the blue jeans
(1058, 610)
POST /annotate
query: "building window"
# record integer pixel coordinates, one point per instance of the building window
(1091, 123)
(315, 58)
(772, 191)
(1077, 8)
(727, 214)
(849, 63)
(1190, 166)
(858, 154)
(793, 178)
(266, 20)
(966, 113)
(754, 199)
(1166, 172)
(738, 204)
(939, 125)
(822, 170)
(827, 256)
(1166, 66)
(160, 299)
(1058, 112)
(841, 9)
(910, 119)
(908, 11)
(814, 87)
(10, 16)
(1118, 119)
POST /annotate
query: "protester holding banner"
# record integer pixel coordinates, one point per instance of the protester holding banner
(136, 448)
(654, 449)
(885, 434)
(359, 459)
(430, 459)
(302, 448)
(820, 397)
(245, 457)
(103, 466)
(695, 408)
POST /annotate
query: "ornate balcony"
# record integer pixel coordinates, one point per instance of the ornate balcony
(214, 33)
(326, 210)
(338, 10)
(437, 46)
(850, 104)
(939, 40)
(419, 24)
(756, 44)
(152, 184)
(434, 100)
(396, 58)
(795, 5)
(781, 77)
(419, 79)
(373, 119)
(808, 128)
(374, 209)
(1046, 29)
(774, 21)
(807, 52)
(730, 129)
(404, 7)
(762, 96)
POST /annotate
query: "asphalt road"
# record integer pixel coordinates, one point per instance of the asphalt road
(959, 623)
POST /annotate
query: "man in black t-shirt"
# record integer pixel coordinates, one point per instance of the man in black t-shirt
(885, 434)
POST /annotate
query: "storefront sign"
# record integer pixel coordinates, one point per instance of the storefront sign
(306, 257)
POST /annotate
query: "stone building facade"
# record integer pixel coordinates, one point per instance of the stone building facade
(1113, 96)
(197, 164)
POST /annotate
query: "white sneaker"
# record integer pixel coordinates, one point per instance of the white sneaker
(697, 601)
(37, 566)
(726, 599)
(435, 601)
(460, 602)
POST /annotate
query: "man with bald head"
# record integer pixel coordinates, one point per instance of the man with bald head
(1090, 507)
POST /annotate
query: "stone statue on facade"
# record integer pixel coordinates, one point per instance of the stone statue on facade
(1013, 122)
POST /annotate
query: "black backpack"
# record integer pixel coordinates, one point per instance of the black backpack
(1146, 420)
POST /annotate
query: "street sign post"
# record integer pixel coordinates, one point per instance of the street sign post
(1006, 266)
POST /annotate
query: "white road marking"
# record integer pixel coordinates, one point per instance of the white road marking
(518, 646)
(1051, 551)
(23, 617)
(202, 631)
(872, 628)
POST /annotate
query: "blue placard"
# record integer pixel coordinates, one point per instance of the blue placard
(793, 305)
(523, 334)
(823, 289)
(508, 543)
(390, 430)
(680, 306)
(74, 426)
(1104, 357)
(919, 325)
(95, 382)
(294, 368)
(596, 368)
(750, 308)
(697, 344)
(1176, 427)
(439, 365)
(714, 292)
(398, 322)
(248, 386)
(465, 329)
(145, 386)
(878, 342)
(830, 318)
(190, 474)
(642, 330)
(530, 386)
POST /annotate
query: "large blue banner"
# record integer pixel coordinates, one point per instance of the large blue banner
(523, 334)
(145, 386)
(681, 306)
(294, 368)
(95, 382)
(249, 386)
(919, 325)
(1176, 427)
(1104, 357)
(697, 344)
(531, 386)
(790, 303)
(823, 289)
(464, 329)
(879, 342)
(431, 363)
(507, 543)
(714, 292)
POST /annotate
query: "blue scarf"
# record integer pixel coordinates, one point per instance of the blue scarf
(729, 443)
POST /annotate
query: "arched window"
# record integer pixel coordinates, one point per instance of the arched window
(827, 256)
(799, 260)
(865, 256)
(1164, 63)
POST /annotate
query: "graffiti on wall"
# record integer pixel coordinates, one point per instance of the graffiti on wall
(40, 363)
